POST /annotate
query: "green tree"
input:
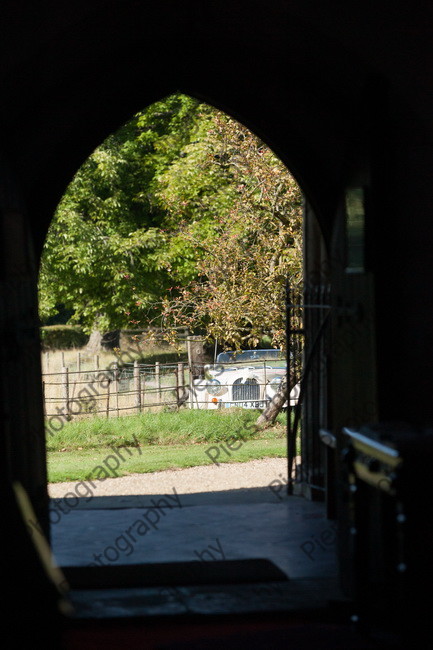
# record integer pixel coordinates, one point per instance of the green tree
(110, 236)
(252, 242)
(182, 217)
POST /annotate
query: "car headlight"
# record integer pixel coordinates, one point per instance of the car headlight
(275, 383)
(214, 387)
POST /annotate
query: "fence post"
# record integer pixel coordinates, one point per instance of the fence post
(94, 385)
(181, 384)
(43, 399)
(78, 362)
(63, 359)
(65, 391)
(96, 360)
(196, 360)
(108, 397)
(191, 389)
(158, 381)
(143, 389)
(137, 387)
(177, 378)
(116, 385)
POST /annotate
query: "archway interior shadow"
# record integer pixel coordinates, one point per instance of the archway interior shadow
(225, 537)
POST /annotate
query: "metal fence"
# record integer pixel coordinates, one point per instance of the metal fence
(133, 388)
(114, 391)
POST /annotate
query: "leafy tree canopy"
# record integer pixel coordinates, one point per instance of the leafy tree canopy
(111, 234)
(182, 217)
(252, 242)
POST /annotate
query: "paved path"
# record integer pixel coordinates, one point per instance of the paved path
(229, 507)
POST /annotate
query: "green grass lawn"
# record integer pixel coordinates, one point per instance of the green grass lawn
(164, 428)
(78, 465)
(165, 440)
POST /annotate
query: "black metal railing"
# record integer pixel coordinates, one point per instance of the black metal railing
(307, 317)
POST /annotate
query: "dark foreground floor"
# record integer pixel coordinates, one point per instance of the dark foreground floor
(213, 570)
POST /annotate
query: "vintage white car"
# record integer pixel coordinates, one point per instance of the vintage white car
(248, 379)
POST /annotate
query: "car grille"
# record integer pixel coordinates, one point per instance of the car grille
(247, 390)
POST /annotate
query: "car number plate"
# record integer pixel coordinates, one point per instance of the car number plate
(258, 404)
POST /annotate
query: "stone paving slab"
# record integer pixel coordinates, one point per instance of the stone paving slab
(293, 533)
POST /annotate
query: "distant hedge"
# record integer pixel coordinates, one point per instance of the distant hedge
(62, 337)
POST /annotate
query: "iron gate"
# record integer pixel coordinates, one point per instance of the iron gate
(307, 319)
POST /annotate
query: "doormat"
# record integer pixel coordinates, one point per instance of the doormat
(173, 573)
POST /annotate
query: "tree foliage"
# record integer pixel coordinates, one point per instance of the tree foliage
(252, 242)
(110, 235)
(181, 218)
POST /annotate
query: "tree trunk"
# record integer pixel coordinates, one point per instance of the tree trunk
(94, 344)
(99, 341)
(267, 418)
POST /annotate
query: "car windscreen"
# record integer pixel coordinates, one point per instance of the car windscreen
(250, 355)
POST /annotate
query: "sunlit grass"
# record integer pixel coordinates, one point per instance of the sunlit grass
(77, 465)
(160, 441)
(170, 428)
